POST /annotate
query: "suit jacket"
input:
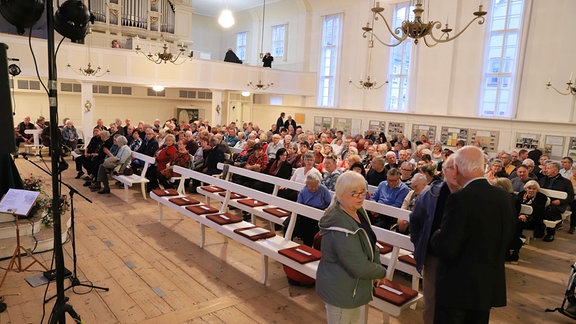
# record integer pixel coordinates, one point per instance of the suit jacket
(477, 227)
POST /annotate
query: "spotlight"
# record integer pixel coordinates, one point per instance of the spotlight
(71, 20)
(14, 70)
(22, 13)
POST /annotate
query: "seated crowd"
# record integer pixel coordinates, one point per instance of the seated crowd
(399, 168)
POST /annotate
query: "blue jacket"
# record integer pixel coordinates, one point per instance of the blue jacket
(421, 219)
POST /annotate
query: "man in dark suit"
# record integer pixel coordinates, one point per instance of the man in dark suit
(476, 230)
(555, 181)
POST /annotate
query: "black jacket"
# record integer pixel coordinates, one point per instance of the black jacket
(476, 231)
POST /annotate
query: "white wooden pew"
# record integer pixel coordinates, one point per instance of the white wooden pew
(269, 247)
(130, 180)
(254, 211)
(555, 194)
(528, 233)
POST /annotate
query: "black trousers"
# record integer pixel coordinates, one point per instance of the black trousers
(447, 315)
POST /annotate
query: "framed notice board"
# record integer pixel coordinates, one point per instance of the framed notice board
(451, 135)
(320, 122)
(419, 130)
(487, 139)
(395, 128)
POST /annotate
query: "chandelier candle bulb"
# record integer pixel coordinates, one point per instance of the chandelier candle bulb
(571, 75)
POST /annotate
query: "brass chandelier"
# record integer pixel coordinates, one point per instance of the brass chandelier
(89, 70)
(165, 56)
(418, 29)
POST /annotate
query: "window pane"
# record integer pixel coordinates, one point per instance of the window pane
(329, 60)
(501, 58)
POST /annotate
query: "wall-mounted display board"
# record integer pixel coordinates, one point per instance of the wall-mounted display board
(572, 148)
(320, 122)
(377, 126)
(487, 139)
(395, 128)
(527, 141)
(343, 124)
(554, 146)
(356, 127)
(450, 135)
(419, 130)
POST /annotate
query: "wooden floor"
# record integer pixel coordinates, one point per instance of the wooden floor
(157, 273)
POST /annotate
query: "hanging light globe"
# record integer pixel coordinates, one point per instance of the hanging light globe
(226, 19)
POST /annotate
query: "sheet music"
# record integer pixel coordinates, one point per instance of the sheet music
(255, 231)
(392, 290)
(18, 201)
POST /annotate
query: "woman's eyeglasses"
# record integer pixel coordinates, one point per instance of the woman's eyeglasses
(357, 195)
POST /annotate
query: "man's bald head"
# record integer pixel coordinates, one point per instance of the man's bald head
(469, 162)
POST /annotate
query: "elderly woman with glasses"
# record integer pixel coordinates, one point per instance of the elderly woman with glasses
(350, 260)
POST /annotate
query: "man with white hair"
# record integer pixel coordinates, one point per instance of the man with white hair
(471, 276)
(274, 146)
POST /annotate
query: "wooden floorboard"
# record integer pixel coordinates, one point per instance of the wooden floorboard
(157, 273)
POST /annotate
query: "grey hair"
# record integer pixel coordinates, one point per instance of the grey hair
(105, 133)
(419, 178)
(528, 161)
(348, 181)
(532, 183)
(468, 166)
(313, 177)
(121, 140)
(555, 164)
(309, 156)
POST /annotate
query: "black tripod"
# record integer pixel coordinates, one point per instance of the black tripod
(74, 278)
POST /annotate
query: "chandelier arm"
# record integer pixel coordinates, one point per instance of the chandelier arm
(429, 44)
(560, 92)
(440, 40)
(383, 42)
(396, 31)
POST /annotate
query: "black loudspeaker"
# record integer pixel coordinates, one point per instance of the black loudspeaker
(22, 13)
(7, 144)
(71, 20)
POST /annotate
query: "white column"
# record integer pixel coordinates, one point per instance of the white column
(216, 110)
(88, 106)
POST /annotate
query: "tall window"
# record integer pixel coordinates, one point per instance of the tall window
(330, 52)
(241, 45)
(400, 63)
(501, 60)
(278, 40)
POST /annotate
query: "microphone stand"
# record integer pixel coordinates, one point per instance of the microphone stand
(74, 279)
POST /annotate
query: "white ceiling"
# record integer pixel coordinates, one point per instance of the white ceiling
(214, 7)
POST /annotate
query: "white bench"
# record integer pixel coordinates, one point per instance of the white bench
(130, 180)
(254, 211)
(555, 194)
(269, 247)
(401, 214)
(36, 140)
(528, 233)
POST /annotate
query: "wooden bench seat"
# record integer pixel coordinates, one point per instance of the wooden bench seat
(130, 180)
(555, 194)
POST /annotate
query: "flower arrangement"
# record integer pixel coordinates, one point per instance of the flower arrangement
(43, 204)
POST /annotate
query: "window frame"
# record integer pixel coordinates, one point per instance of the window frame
(513, 78)
(242, 54)
(330, 99)
(408, 48)
(275, 42)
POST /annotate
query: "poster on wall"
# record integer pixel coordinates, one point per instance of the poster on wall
(187, 114)
(356, 126)
(377, 126)
(451, 135)
(572, 148)
(428, 130)
(527, 141)
(322, 122)
(343, 124)
(488, 140)
(554, 146)
(395, 128)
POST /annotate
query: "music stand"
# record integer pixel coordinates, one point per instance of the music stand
(18, 202)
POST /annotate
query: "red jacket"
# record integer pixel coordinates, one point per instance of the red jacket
(164, 155)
